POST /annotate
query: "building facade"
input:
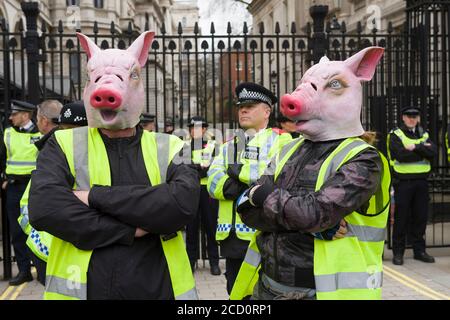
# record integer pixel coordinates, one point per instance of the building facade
(74, 15)
(371, 13)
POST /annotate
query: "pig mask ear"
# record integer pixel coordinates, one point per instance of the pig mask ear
(139, 48)
(364, 63)
(88, 45)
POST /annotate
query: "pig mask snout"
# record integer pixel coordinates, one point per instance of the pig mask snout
(291, 106)
(106, 98)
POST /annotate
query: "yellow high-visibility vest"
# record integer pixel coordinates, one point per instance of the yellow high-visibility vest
(348, 268)
(423, 166)
(21, 153)
(38, 241)
(86, 155)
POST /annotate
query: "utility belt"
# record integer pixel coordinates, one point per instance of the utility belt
(16, 179)
(303, 278)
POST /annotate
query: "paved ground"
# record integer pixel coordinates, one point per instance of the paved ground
(414, 280)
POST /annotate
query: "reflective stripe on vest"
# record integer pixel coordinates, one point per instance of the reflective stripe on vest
(423, 166)
(21, 153)
(67, 266)
(348, 280)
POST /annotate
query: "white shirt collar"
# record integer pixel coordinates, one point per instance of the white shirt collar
(27, 126)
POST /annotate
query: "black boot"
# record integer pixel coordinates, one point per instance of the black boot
(193, 263)
(215, 270)
(424, 257)
(22, 277)
(398, 259)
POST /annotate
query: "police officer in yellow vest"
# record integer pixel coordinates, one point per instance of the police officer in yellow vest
(240, 162)
(51, 116)
(113, 195)
(19, 154)
(203, 151)
(410, 153)
(47, 122)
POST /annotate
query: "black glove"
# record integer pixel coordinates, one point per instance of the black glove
(260, 195)
(234, 170)
(243, 204)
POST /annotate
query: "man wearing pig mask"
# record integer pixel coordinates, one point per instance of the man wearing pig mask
(329, 180)
(113, 195)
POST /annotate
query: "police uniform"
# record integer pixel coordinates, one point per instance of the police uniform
(39, 242)
(19, 154)
(239, 163)
(146, 118)
(410, 171)
(202, 153)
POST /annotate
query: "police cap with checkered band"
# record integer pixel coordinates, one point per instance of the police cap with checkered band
(73, 113)
(252, 93)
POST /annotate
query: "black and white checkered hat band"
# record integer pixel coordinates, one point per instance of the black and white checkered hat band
(252, 95)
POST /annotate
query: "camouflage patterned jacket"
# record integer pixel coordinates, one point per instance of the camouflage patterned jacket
(293, 209)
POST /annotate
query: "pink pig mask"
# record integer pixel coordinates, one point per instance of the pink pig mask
(114, 92)
(327, 103)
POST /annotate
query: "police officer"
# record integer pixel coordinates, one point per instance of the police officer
(168, 126)
(147, 121)
(20, 154)
(51, 116)
(73, 115)
(287, 125)
(410, 151)
(239, 163)
(202, 153)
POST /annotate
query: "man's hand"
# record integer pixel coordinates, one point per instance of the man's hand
(4, 184)
(83, 196)
(140, 233)
(342, 231)
(411, 147)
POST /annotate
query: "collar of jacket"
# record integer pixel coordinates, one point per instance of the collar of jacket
(41, 142)
(418, 131)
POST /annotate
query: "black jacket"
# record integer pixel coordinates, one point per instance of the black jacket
(121, 266)
(401, 154)
(292, 210)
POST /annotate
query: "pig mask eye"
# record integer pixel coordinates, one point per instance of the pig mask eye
(134, 75)
(335, 84)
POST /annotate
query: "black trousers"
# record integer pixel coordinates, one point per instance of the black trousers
(41, 267)
(207, 216)
(14, 193)
(411, 205)
(232, 267)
